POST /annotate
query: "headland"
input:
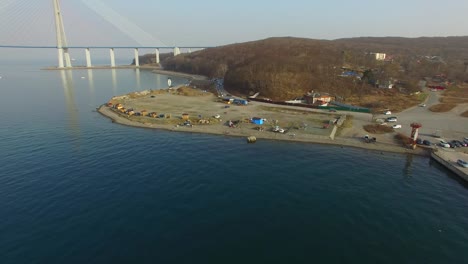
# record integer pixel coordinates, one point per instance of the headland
(186, 109)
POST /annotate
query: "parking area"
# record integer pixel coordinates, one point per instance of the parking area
(448, 126)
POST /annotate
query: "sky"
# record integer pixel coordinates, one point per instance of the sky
(214, 23)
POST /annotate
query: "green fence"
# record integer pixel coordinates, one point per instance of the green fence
(342, 108)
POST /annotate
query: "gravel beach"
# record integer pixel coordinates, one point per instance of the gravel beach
(209, 114)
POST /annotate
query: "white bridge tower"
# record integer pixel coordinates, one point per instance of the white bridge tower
(62, 46)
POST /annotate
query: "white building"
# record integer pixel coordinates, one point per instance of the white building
(380, 56)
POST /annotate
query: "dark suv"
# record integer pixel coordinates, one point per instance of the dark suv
(455, 143)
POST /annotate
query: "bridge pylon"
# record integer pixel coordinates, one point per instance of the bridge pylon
(62, 46)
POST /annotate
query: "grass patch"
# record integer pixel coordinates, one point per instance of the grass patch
(444, 107)
(288, 110)
(456, 91)
(422, 96)
(348, 123)
(378, 129)
(392, 100)
(453, 100)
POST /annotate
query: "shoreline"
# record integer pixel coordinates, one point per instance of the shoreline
(354, 142)
(179, 74)
(379, 147)
(103, 67)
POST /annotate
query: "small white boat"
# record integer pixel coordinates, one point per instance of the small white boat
(296, 101)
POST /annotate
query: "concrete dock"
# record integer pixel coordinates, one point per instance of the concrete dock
(449, 160)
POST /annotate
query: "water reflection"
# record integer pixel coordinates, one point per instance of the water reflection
(138, 81)
(95, 88)
(92, 91)
(72, 109)
(408, 166)
(158, 80)
(114, 82)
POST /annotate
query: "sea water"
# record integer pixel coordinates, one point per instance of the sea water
(77, 188)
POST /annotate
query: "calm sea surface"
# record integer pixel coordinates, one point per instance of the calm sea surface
(77, 188)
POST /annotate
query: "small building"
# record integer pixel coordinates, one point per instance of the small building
(118, 106)
(318, 99)
(185, 116)
(153, 114)
(380, 56)
(144, 112)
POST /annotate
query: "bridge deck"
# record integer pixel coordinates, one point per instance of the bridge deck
(98, 47)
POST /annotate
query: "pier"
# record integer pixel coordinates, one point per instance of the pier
(449, 160)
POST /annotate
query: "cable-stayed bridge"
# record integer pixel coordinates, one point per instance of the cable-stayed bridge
(145, 40)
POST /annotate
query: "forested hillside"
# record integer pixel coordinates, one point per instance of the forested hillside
(284, 68)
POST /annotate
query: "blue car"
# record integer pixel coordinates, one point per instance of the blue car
(427, 142)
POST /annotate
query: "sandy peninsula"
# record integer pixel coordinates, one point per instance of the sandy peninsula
(196, 111)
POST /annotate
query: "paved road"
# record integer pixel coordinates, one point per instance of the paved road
(450, 124)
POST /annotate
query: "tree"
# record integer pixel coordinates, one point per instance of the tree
(369, 77)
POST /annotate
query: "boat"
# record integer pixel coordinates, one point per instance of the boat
(298, 100)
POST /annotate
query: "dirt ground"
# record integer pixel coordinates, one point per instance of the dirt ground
(208, 114)
(203, 107)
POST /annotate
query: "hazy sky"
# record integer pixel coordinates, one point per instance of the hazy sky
(214, 23)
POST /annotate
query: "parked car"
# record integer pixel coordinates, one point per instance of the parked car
(419, 141)
(451, 144)
(444, 144)
(422, 105)
(427, 142)
(278, 129)
(368, 139)
(392, 119)
(396, 126)
(462, 163)
(388, 112)
(454, 143)
(461, 143)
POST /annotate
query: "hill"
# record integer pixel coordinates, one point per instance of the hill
(286, 67)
